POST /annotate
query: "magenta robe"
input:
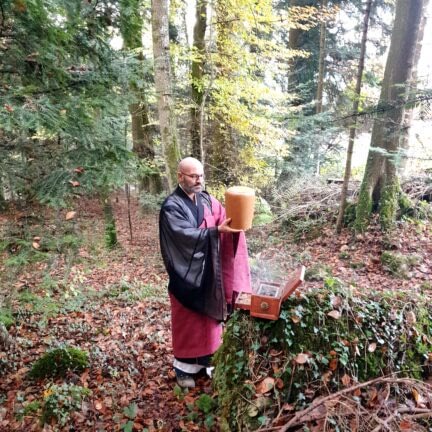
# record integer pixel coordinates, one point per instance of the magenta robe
(195, 334)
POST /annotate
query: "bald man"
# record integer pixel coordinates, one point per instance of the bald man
(205, 271)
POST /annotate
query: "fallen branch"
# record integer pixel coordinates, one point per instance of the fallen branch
(301, 416)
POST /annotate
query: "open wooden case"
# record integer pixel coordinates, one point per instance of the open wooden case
(266, 301)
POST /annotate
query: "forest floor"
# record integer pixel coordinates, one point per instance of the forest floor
(113, 304)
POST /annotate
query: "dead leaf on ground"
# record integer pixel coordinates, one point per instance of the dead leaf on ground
(70, 215)
(301, 358)
(334, 314)
(346, 380)
(372, 347)
(266, 385)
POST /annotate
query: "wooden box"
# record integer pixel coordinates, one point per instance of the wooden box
(266, 302)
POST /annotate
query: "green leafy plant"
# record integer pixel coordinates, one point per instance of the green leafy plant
(60, 400)
(58, 362)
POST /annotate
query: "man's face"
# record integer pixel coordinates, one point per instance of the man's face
(191, 179)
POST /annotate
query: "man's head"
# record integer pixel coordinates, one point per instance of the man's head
(190, 175)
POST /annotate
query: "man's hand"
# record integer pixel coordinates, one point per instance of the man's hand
(225, 228)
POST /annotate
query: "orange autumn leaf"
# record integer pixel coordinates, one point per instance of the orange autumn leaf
(265, 385)
(346, 380)
(333, 364)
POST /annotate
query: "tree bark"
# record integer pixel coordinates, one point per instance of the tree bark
(143, 134)
(197, 71)
(352, 132)
(321, 74)
(380, 186)
(167, 123)
(321, 62)
(413, 83)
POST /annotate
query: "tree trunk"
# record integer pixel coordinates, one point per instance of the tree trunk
(321, 63)
(131, 23)
(352, 131)
(167, 123)
(143, 145)
(409, 112)
(321, 74)
(197, 76)
(380, 187)
(110, 225)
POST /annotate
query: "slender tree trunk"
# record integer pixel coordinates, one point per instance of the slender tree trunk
(380, 187)
(321, 74)
(3, 203)
(352, 132)
(110, 225)
(321, 62)
(197, 76)
(167, 123)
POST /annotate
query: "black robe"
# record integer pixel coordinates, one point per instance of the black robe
(191, 254)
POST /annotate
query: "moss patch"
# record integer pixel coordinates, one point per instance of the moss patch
(58, 362)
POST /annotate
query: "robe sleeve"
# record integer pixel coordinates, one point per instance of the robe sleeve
(235, 267)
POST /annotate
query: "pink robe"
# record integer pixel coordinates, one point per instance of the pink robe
(195, 334)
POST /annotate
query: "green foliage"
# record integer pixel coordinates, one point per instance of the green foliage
(131, 411)
(317, 272)
(363, 209)
(60, 400)
(321, 341)
(389, 205)
(398, 264)
(350, 214)
(6, 317)
(110, 235)
(150, 202)
(58, 362)
(263, 214)
(63, 110)
(304, 229)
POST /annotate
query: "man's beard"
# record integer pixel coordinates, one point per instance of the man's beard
(193, 189)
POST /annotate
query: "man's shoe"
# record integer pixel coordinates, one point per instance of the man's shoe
(185, 380)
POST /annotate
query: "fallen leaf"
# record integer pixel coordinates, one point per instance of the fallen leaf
(70, 215)
(74, 183)
(280, 384)
(98, 405)
(336, 301)
(36, 245)
(288, 407)
(333, 364)
(410, 318)
(346, 380)
(405, 425)
(372, 347)
(301, 358)
(334, 314)
(266, 385)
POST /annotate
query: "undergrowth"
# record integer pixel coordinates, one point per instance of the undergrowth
(323, 341)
